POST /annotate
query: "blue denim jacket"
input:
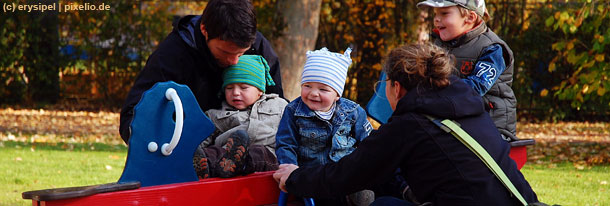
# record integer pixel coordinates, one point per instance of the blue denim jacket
(487, 69)
(305, 139)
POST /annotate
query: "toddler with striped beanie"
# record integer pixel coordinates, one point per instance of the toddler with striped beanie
(320, 126)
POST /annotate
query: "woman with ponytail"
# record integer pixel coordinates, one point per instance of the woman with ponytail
(439, 168)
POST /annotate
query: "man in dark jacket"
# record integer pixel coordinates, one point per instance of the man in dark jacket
(438, 167)
(196, 52)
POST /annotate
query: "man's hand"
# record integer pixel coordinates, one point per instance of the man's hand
(282, 174)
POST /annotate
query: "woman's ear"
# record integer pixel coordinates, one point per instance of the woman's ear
(399, 90)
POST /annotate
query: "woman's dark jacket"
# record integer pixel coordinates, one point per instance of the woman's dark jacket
(437, 166)
(184, 57)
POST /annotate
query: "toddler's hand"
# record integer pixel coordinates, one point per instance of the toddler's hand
(282, 174)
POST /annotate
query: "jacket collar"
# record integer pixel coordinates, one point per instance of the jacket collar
(343, 107)
(470, 35)
(455, 101)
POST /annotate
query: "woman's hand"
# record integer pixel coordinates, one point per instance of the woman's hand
(282, 174)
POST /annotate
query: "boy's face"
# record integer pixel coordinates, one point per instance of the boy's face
(450, 22)
(241, 95)
(318, 96)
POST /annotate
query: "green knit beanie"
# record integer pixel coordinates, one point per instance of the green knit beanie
(251, 69)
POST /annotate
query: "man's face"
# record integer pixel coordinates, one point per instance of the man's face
(226, 53)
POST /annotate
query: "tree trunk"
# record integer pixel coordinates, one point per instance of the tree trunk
(299, 20)
(423, 30)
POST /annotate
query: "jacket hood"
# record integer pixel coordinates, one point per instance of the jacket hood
(455, 101)
(186, 27)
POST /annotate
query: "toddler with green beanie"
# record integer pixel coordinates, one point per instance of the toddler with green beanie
(244, 140)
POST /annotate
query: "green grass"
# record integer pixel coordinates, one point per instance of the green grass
(27, 166)
(565, 184)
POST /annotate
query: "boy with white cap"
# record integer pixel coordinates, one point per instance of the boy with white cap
(320, 126)
(484, 61)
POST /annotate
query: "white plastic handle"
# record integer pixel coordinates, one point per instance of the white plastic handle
(172, 95)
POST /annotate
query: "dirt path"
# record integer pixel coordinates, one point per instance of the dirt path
(51, 125)
(564, 141)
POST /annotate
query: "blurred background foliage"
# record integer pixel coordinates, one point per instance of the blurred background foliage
(560, 49)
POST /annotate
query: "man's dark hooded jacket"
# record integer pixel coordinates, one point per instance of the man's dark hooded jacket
(437, 166)
(184, 57)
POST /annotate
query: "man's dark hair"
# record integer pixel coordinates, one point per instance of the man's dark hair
(230, 20)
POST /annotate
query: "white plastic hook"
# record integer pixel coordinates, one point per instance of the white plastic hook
(172, 95)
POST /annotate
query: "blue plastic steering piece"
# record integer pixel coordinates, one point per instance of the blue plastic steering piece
(153, 124)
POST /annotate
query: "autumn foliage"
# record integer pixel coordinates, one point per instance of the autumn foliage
(562, 65)
(561, 71)
(561, 47)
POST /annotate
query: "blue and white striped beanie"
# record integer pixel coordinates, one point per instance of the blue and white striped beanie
(327, 67)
